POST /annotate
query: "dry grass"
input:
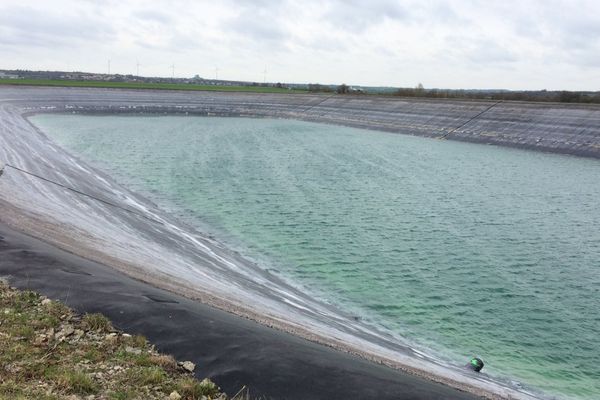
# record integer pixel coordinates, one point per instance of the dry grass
(96, 322)
(164, 361)
(49, 353)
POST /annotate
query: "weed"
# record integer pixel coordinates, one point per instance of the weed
(27, 298)
(191, 388)
(93, 354)
(96, 322)
(26, 332)
(48, 321)
(165, 361)
(77, 382)
(122, 395)
(138, 341)
(148, 376)
(142, 360)
(57, 309)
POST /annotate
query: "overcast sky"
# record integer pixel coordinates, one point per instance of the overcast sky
(513, 44)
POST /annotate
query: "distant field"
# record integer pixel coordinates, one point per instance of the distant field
(158, 86)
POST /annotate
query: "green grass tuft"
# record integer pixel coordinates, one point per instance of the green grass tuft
(153, 376)
(191, 388)
(96, 322)
(77, 382)
(122, 395)
(138, 341)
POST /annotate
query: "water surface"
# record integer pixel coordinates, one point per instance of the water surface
(461, 249)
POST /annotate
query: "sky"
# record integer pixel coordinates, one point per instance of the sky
(472, 44)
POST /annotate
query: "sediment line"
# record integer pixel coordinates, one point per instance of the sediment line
(549, 127)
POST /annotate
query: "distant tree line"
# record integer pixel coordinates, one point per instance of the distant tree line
(317, 87)
(560, 96)
(341, 89)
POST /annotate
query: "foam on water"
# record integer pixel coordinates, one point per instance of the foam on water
(454, 249)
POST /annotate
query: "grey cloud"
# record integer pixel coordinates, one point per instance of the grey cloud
(182, 42)
(588, 58)
(153, 16)
(259, 5)
(481, 51)
(572, 38)
(557, 35)
(487, 51)
(582, 33)
(528, 29)
(28, 26)
(326, 43)
(258, 26)
(443, 12)
(554, 23)
(436, 12)
(356, 16)
(175, 43)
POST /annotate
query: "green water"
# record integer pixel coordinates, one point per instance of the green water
(461, 249)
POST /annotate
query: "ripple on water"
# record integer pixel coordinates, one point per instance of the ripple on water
(462, 249)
